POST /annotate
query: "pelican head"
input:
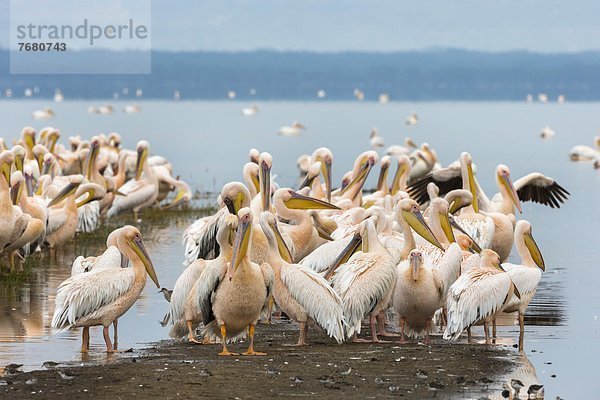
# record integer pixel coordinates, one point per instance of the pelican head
(265, 163)
(133, 239)
(402, 172)
(385, 166)
(467, 162)
(17, 186)
(411, 213)
(47, 162)
(503, 177)
(52, 138)
(74, 142)
(458, 199)
(235, 196)
(524, 229)
(416, 260)
(473, 246)
(325, 156)
(19, 153)
(242, 240)
(68, 190)
(268, 223)
(29, 179)
(313, 172)
(253, 156)
(362, 166)
(6, 161)
(91, 191)
(491, 259)
(296, 201)
(143, 149)
(440, 206)
(39, 151)
(298, 125)
(114, 140)
(347, 252)
(346, 179)
(251, 173)
(28, 136)
(409, 143)
(465, 242)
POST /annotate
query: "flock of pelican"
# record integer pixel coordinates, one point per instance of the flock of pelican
(49, 191)
(430, 248)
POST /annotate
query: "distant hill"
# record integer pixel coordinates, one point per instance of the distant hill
(425, 75)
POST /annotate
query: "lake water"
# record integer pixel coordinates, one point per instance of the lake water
(208, 142)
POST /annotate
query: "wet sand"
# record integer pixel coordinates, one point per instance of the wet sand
(324, 369)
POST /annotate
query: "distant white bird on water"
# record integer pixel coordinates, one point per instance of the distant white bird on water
(561, 98)
(42, 115)
(543, 98)
(250, 111)
(359, 94)
(547, 133)
(376, 140)
(321, 94)
(384, 98)
(58, 96)
(132, 108)
(231, 94)
(293, 130)
(585, 153)
(412, 119)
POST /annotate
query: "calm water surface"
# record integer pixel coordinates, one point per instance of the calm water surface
(208, 142)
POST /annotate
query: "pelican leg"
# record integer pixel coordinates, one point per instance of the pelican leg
(191, 335)
(381, 326)
(469, 336)
(225, 352)
(85, 339)
(494, 330)
(373, 326)
(402, 322)
(250, 351)
(303, 334)
(486, 330)
(116, 336)
(521, 330)
(11, 262)
(106, 334)
(427, 329)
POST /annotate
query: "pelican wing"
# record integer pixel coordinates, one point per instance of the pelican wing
(207, 285)
(325, 255)
(526, 280)
(472, 262)
(446, 179)
(317, 297)
(479, 227)
(541, 189)
(56, 219)
(200, 238)
(475, 295)
(135, 194)
(111, 258)
(83, 294)
(88, 217)
(447, 269)
(361, 284)
(182, 288)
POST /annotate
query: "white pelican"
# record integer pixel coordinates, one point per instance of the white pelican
(526, 275)
(11, 216)
(398, 150)
(184, 306)
(99, 298)
(321, 94)
(359, 94)
(132, 108)
(301, 293)
(58, 96)
(140, 192)
(303, 163)
(43, 115)
(547, 133)
(585, 153)
(362, 167)
(376, 141)
(232, 295)
(365, 283)
(384, 98)
(199, 238)
(534, 187)
(419, 290)
(294, 130)
(478, 294)
(412, 119)
(63, 216)
(250, 111)
(325, 157)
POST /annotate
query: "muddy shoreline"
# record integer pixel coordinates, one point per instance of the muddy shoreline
(172, 370)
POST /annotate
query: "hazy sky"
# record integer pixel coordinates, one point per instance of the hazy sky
(376, 25)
